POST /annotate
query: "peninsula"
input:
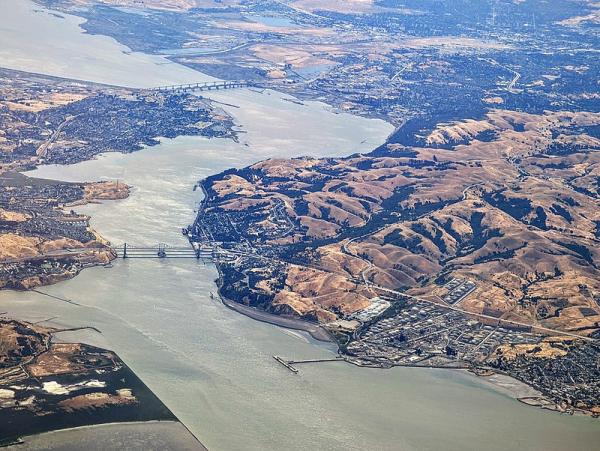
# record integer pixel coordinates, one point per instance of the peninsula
(478, 255)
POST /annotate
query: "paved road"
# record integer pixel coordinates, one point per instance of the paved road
(43, 149)
(481, 315)
(60, 253)
(436, 303)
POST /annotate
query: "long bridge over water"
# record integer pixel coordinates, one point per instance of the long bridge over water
(162, 250)
(203, 86)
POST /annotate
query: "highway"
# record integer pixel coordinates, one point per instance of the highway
(43, 149)
(397, 74)
(516, 75)
(373, 286)
(481, 315)
(213, 52)
(56, 254)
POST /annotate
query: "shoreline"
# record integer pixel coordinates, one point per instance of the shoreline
(314, 330)
(496, 381)
(146, 400)
(23, 441)
(254, 314)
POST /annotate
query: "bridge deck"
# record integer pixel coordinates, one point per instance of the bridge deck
(165, 251)
(203, 86)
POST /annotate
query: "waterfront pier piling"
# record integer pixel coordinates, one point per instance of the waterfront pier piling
(286, 364)
(289, 364)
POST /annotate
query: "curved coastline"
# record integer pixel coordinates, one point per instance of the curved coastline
(316, 331)
(267, 382)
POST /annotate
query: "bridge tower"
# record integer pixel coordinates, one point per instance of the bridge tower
(125, 250)
(162, 253)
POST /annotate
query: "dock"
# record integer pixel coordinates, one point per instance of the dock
(289, 364)
(286, 364)
(296, 362)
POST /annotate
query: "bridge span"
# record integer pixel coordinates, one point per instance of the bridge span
(203, 86)
(162, 250)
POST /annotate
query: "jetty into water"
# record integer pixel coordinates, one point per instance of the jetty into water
(286, 364)
(289, 364)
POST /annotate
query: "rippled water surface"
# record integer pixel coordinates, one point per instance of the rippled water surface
(212, 366)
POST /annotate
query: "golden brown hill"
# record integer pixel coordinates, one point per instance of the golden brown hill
(510, 202)
(42, 243)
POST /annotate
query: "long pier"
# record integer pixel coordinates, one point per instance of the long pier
(204, 86)
(289, 364)
(286, 364)
(296, 362)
